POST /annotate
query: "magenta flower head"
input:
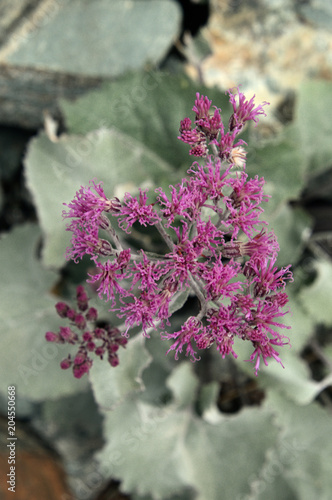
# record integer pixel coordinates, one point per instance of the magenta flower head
(243, 110)
(88, 205)
(212, 244)
(210, 124)
(137, 210)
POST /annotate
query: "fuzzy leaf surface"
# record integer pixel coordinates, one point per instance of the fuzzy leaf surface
(317, 297)
(299, 468)
(119, 161)
(184, 451)
(27, 313)
(111, 385)
(313, 121)
(145, 106)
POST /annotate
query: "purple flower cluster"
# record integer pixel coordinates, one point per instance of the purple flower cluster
(101, 341)
(209, 128)
(216, 246)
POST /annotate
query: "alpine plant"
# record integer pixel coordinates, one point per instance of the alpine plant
(215, 247)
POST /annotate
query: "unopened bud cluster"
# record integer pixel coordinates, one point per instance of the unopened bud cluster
(84, 334)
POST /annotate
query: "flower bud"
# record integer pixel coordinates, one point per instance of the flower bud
(99, 333)
(87, 336)
(92, 314)
(67, 334)
(104, 223)
(122, 341)
(62, 308)
(82, 298)
(100, 352)
(113, 360)
(66, 363)
(123, 258)
(91, 346)
(71, 314)
(105, 248)
(80, 358)
(80, 321)
(52, 337)
(114, 205)
(113, 348)
(80, 370)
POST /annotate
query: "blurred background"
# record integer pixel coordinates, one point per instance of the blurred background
(97, 88)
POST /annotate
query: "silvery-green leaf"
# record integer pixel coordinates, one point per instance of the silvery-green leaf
(28, 361)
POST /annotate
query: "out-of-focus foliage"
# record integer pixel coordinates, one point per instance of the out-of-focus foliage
(27, 312)
(99, 38)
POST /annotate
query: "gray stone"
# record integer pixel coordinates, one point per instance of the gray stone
(318, 13)
(61, 48)
(268, 47)
(12, 12)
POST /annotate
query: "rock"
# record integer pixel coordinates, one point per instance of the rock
(25, 93)
(267, 47)
(12, 12)
(61, 48)
(34, 470)
(318, 13)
